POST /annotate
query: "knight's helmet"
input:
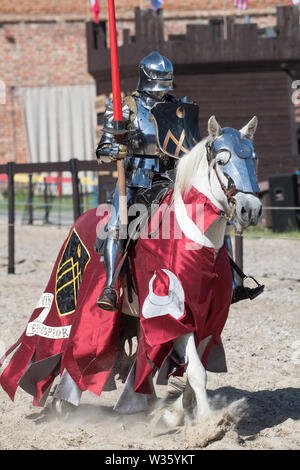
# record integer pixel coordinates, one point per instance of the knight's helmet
(155, 73)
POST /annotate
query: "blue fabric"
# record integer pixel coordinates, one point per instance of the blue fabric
(156, 4)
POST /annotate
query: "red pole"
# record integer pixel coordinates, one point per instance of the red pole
(118, 116)
(115, 77)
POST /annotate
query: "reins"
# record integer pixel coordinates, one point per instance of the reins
(229, 193)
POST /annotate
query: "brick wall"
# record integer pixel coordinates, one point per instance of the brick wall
(43, 43)
(44, 7)
(123, 7)
(36, 54)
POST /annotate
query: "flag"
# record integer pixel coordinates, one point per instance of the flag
(242, 4)
(95, 9)
(155, 4)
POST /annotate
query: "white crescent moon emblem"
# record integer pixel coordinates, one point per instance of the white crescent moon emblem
(172, 304)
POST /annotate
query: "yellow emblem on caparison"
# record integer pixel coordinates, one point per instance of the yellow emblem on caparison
(70, 273)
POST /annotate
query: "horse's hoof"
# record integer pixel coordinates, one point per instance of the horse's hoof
(62, 407)
(172, 420)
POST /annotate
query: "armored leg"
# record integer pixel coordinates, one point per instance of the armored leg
(108, 298)
(112, 251)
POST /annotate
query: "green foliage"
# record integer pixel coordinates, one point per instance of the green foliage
(263, 232)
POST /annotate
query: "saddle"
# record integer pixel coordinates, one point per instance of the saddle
(151, 199)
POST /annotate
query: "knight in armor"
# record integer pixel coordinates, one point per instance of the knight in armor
(145, 160)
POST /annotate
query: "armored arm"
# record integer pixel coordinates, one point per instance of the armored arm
(108, 149)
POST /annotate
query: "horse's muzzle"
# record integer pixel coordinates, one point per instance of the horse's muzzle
(248, 209)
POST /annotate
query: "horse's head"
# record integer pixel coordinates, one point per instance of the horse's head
(231, 157)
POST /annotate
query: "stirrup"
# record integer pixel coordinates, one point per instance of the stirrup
(108, 300)
(242, 293)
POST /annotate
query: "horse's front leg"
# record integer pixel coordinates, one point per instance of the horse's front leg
(196, 376)
(174, 415)
(188, 393)
(196, 381)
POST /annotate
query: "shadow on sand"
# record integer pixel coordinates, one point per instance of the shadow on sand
(263, 409)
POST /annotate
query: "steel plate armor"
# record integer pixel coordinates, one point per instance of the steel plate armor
(145, 157)
(146, 160)
(156, 73)
(241, 159)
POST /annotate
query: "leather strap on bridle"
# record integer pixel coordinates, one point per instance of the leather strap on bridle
(229, 193)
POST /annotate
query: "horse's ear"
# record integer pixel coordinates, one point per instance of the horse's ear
(249, 130)
(213, 127)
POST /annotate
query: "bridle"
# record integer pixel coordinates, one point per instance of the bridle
(229, 192)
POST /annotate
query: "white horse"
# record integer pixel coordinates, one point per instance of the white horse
(208, 174)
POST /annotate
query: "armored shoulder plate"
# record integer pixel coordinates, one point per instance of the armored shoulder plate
(130, 102)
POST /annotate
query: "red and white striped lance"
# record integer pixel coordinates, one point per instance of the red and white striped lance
(118, 113)
(242, 4)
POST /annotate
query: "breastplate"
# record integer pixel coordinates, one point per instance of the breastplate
(143, 141)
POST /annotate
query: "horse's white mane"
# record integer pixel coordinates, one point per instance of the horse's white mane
(187, 168)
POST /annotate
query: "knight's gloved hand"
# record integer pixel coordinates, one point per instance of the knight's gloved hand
(122, 151)
(112, 152)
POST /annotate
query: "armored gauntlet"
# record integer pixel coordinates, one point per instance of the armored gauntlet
(107, 153)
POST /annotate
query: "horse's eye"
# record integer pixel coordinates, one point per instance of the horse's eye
(223, 157)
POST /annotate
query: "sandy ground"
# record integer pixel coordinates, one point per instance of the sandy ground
(256, 405)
